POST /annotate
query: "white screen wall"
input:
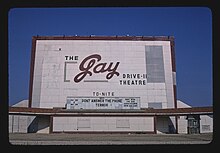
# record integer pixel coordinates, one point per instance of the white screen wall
(112, 70)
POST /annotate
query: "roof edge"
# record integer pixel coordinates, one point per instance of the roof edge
(94, 37)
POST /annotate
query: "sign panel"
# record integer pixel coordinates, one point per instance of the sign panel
(103, 103)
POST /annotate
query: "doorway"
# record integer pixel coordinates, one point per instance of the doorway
(193, 124)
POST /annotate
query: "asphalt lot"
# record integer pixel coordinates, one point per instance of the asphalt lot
(107, 139)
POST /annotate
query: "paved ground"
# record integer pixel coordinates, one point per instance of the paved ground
(107, 139)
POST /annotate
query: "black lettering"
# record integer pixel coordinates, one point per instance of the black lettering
(144, 82)
(70, 57)
(124, 75)
(140, 82)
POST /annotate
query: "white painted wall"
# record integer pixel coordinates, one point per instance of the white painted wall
(182, 124)
(50, 90)
(206, 123)
(73, 124)
(17, 124)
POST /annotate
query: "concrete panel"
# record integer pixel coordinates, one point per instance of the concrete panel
(18, 124)
(206, 123)
(100, 124)
(182, 125)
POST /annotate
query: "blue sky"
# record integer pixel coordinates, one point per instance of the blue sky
(191, 27)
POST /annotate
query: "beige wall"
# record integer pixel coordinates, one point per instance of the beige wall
(74, 124)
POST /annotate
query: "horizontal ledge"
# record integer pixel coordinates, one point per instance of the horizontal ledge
(109, 114)
(93, 37)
